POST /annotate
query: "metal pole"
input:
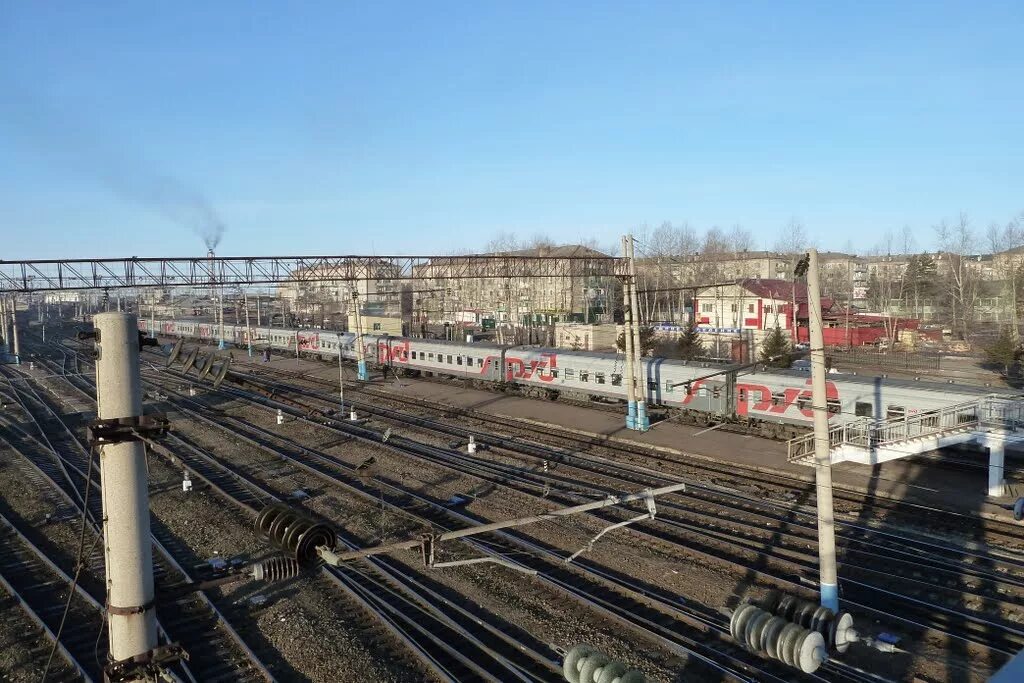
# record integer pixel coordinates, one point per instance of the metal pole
(643, 423)
(829, 585)
(558, 513)
(127, 546)
(627, 334)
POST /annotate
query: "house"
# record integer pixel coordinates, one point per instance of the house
(753, 304)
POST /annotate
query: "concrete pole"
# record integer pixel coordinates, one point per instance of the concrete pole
(15, 345)
(341, 368)
(4, 340)
(127, 546)
(627, 335)
(220, 308)
(643, 423)
(829, 583)
(363, 373)
(259, 320)
(248, 326)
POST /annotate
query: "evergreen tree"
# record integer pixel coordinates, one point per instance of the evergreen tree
(647, 340)
(1003, 351)
(775, 351)
(690, 346)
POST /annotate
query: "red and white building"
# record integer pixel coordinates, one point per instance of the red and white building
(753, 304)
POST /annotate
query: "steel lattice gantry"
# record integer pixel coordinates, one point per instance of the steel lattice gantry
(68, 274)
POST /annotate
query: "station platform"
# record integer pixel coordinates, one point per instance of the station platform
(921, 480)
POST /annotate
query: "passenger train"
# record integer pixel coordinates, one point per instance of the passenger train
(775, 403)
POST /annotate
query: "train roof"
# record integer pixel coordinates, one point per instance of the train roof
(920, 384)
(450, 343)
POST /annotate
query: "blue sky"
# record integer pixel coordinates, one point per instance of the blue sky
(425, 127)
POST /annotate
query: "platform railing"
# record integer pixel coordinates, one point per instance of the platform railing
(990, 412)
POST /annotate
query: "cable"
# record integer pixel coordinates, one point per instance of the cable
(78, 570)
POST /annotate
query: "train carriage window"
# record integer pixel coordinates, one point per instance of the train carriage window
(894, 412)
(742, 396)
(652, 385)
(862, 409)
(803, 403)
(570, 374)
(584, 375)
(414, 355)
(458, 360)
(832, 406)
(616, 379)
(778, 398)
(449, 360)
(599, 377)
(431, 356)
(554, 373)
(668, 386)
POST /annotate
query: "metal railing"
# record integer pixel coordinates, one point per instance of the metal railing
(990, 412)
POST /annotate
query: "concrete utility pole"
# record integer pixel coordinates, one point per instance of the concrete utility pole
(627, 335)
(643, 423)
(15, 345)
(829, 583)
(363, 373)
(220, 305)
(4, 339)
(248, 327)
(123, 476)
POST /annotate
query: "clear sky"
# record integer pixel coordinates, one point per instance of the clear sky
(345, 127)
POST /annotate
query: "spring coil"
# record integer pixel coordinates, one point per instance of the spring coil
(584, 664)
(837, 629)
(276, 569)
(792, 644)
(294, 532)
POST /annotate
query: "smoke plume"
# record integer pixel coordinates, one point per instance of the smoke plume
(57, 132)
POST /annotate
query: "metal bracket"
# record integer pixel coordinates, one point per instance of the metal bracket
(427, 551)
(122, 429)
(127, 611)
(146, 665)
(651, 512)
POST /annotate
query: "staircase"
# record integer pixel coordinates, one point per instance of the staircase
(868, 441)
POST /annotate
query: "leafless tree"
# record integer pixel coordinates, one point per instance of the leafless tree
(792, 238)
(1005, 243)
(957, 242)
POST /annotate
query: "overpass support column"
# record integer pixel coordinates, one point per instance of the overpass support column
(996, 455)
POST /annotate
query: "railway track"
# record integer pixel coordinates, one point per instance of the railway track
(561, 484)
(216, 651)
(449, 641)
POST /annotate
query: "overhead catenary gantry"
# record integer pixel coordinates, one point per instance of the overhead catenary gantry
(133, 272)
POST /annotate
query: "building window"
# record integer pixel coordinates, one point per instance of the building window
(750, 308)
(599, 377)
(376, 326)
(616, 379)
(861, 409)
(706, 308)
(734, 308)
(767, 309)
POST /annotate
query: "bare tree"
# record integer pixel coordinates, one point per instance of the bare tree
(1006, 244)
(957, 241)
(792, 238)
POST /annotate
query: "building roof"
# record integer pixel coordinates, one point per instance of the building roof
(561, 250)
(774, 288)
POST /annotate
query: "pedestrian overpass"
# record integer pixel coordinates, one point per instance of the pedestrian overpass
(991, 422)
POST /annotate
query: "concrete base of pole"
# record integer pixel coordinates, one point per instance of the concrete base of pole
(631, 415)
(830, 596)
(220, 345)
(363, 374)
(643, 423)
